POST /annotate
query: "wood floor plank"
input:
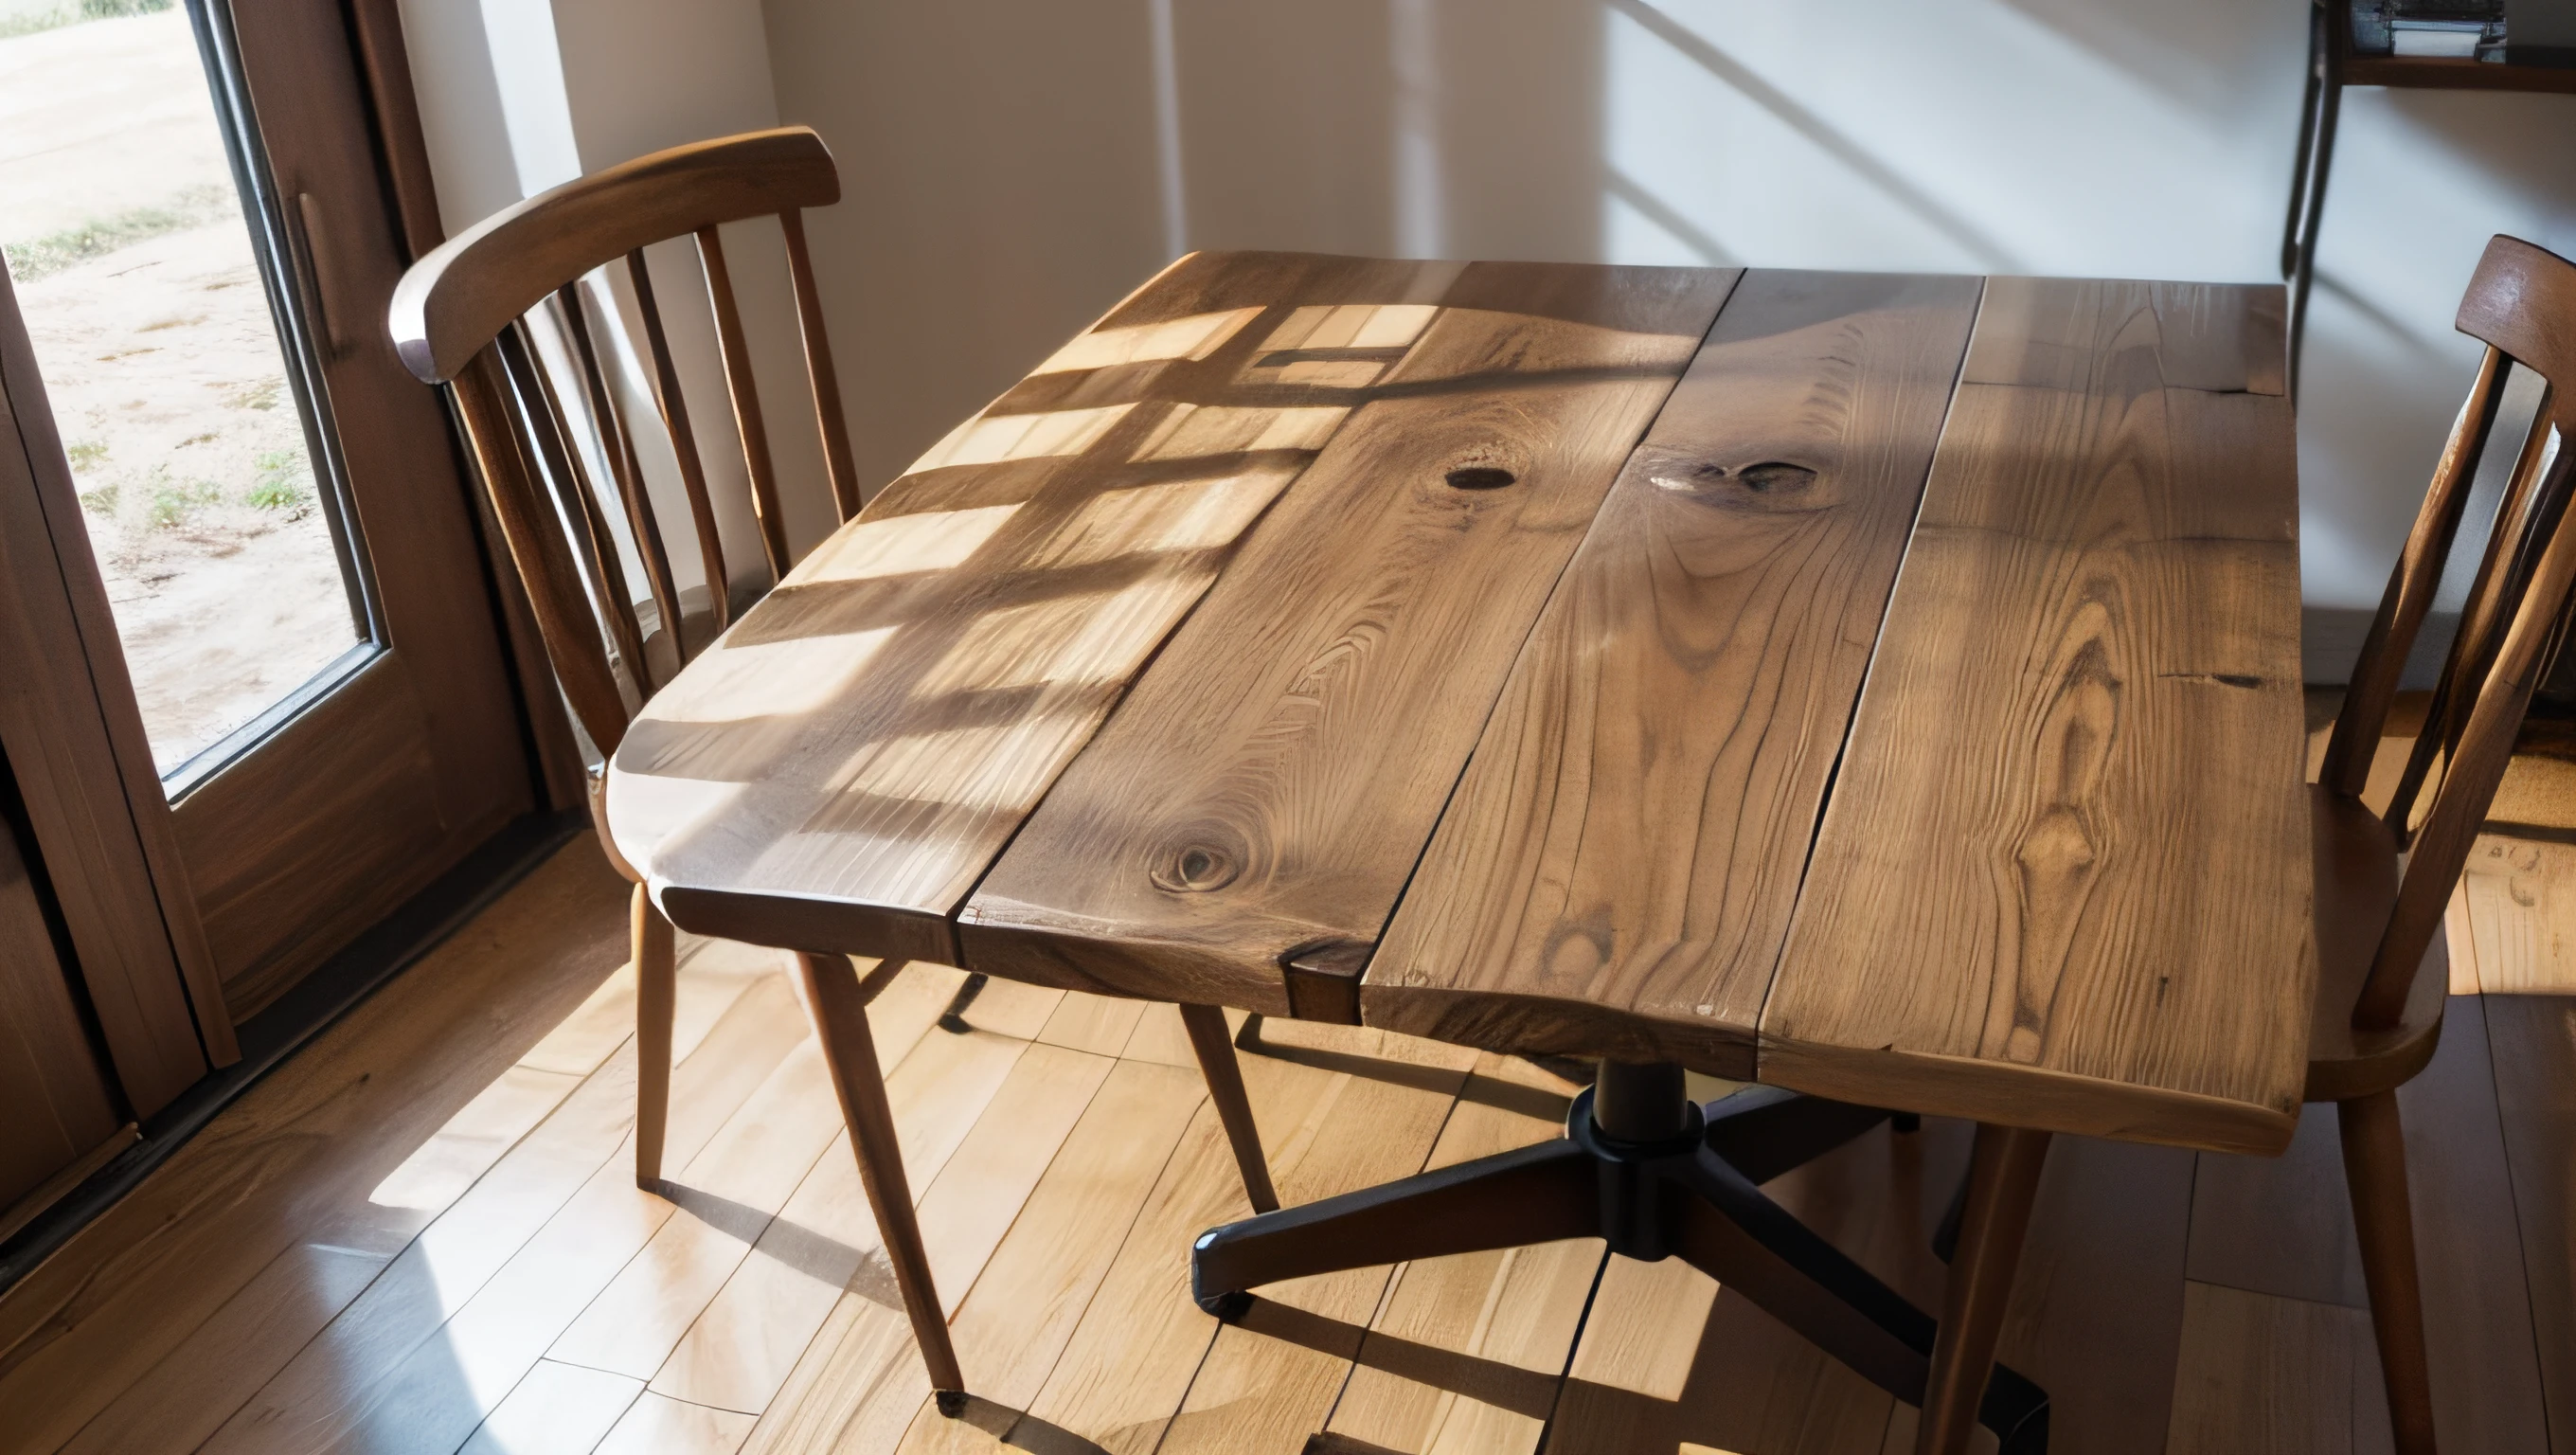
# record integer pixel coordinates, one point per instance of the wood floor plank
(226, 1360)
(2097, 1309)
(301, 1151)
(460, 1152)
(727, 1195)
(857, 1389)
(979, 1193)
(1013, 1328)
(2095, 626)
(1246, 800)
(1161, 1038)
(1667, 1356)
(383, 1364)
(1467, 1352)
(654, 1425)
(725, 1198)
(1269, 1381)
(201, 1381)
(427, 1399)
(2533, 1047)
(1141, 1339)
(2266, 1375)
(2460, 941)
(742, 1348)
(1735, 576)
(2521, 897)
(2478, 1325)
(556, 1407)
(2279, 1225)
(1099, 1024)
(998, 598)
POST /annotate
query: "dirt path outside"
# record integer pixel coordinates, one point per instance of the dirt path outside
(133, 268)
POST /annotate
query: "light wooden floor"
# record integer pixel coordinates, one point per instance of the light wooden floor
(422, 1236)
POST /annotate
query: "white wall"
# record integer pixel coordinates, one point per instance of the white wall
(1012, 167)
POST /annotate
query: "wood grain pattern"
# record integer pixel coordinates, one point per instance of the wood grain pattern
(2267, 1375)
(1269, 1381)
(1080, 1315)
(470, 1306)
(656, 1425)
(2063, 880)
(1617, 868)
(2478, 1316)
(295, 1159)
(1270, 783)
(844, 766)
(2278, 1225)
(2533, 1045)
(1466, 1353)
(2518, 902)
(49, 1078)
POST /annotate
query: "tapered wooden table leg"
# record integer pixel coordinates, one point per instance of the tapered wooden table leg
(2002, 1181)
(656, 1000)
(1206, 1025)
(841, 1019)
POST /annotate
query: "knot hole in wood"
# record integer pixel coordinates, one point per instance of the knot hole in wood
(1195, 866)
(1768, 477)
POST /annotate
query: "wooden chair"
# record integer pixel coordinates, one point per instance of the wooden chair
(459, 317)
(2383, 975)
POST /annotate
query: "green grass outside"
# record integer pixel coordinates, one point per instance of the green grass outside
(29, 22)
(44, 256)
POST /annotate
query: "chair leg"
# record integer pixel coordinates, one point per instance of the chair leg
(1206, 1025)
(656, 989)
(2374, 1170)
(841, 1019)
(2003, 1182)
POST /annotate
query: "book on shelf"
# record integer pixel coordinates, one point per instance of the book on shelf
(2516, 32)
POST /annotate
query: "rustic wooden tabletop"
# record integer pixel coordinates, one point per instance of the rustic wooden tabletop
(1886, 686)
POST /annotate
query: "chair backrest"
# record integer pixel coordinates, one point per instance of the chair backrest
(459, 317)
(2522, 303)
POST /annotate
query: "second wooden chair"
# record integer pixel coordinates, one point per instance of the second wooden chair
(2383, 975)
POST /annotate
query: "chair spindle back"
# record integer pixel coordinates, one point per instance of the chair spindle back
(460, 317)
(2522, 303)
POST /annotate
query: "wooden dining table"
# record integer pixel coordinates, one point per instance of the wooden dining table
(1881, 687)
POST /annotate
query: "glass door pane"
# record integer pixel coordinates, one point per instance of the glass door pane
(181, 409)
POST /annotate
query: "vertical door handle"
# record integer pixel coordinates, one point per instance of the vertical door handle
(322, 272)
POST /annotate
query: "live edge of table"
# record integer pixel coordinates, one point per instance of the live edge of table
(1883, 686)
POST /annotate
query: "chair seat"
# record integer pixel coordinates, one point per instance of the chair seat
(2357, 875)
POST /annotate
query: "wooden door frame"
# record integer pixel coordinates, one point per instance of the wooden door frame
(74, 734)
(70, 722)
(402, 149)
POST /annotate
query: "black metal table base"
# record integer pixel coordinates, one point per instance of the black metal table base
(1686, 1188)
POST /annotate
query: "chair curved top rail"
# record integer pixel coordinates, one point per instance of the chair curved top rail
(454, 301)
(2522, 300)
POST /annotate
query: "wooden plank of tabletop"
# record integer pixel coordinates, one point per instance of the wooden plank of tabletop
(1617, 868)
(2063, 880)
(839, 770)
(1270, 782)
